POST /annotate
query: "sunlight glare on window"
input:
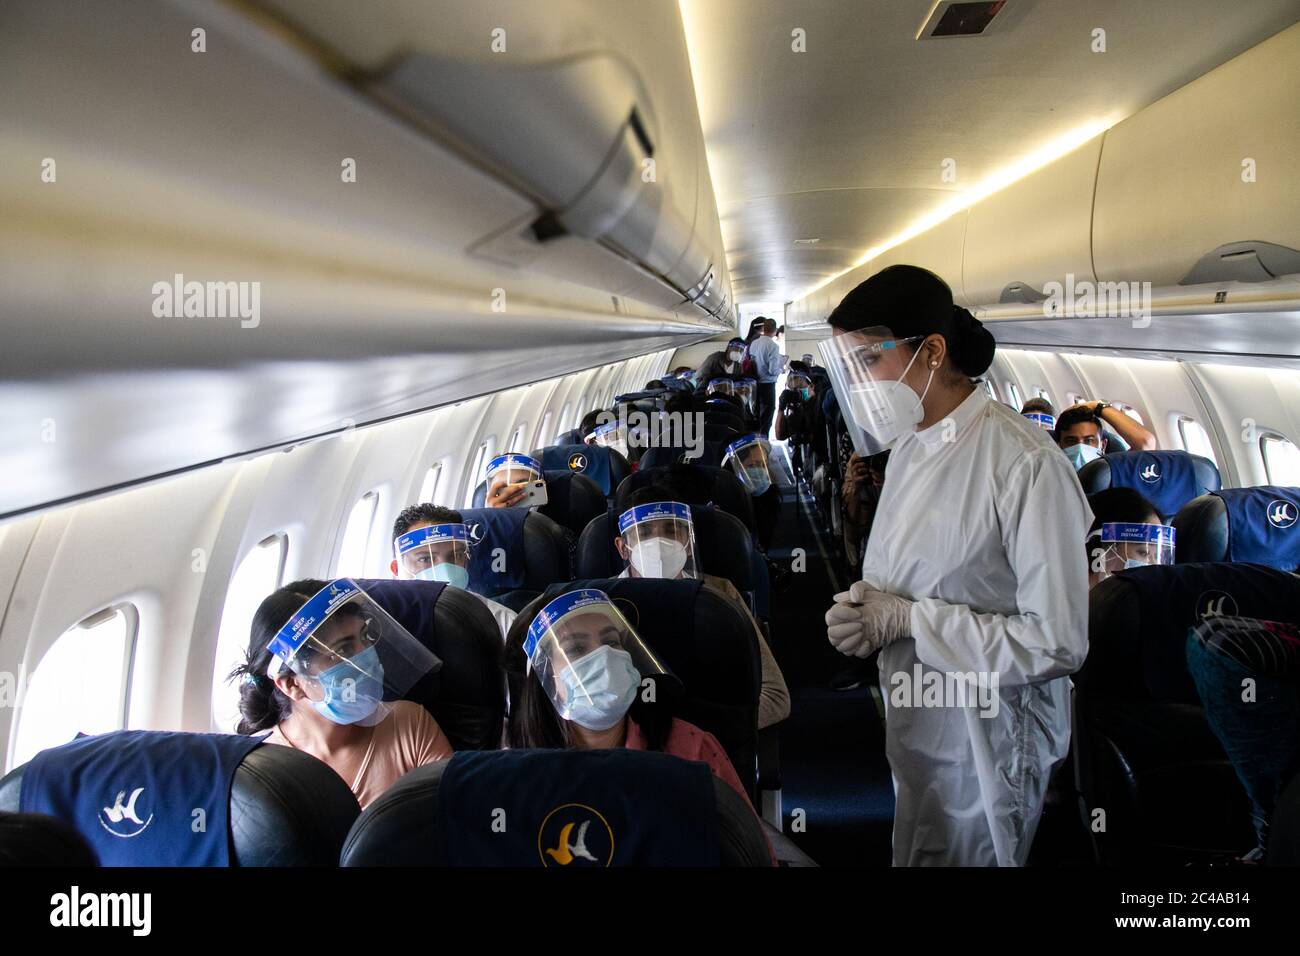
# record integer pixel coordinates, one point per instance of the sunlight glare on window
(356, 538)
(257, 575)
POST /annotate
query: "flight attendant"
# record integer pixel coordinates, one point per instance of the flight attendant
(974, 587)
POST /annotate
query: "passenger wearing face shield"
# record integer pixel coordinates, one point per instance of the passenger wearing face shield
(431, 544)
(657, 540)
(973, 570)
(325, 671)
(724, 364)
(576, 675)
(1126, 533)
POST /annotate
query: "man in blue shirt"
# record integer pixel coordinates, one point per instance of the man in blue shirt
(768, 362)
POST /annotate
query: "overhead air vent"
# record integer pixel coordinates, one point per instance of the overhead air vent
(949, 19)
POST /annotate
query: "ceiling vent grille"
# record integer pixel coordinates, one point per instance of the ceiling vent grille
(949, 19)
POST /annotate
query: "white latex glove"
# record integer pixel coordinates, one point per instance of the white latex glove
(863, 620)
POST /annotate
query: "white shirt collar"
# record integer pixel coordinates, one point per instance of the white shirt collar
(956, 421)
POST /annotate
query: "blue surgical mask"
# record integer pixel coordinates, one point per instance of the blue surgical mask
(599, 687)
(805, 393)
(1081, 454)
(1132, 563)
(353, 688)
(758, 478)
(448, 572)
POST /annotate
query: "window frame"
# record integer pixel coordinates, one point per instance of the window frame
(1181, 421)
(1278, 437)
(373, 497)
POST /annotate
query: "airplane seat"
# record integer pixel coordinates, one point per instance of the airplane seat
(573, 436)
(724, 547)
(466, 695)
(698, 485)
(1245, 525)
(515, 553)
(1142, 743)
(285, 807)
(37, 839)
(705, 640)
(1284, 828)
(724, 415)
(711, 453)
(611, 807)
(605, 466)
(571, 499)
(721, 434)
(1168, 479)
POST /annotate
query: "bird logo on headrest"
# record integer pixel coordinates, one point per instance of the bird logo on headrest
(577, 462)
(1281, 514)
(1151, 472)
(1216, 604)
(566, 837)
(475, 531)
(118, 812)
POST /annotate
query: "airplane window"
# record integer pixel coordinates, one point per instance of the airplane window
(80, 685)
(991, 389)
(1195, 438)
(519, 437)
(1281, 460)
(564, 419)
(356, 538)
(1016, 403)
(543, 436)
(1071, 399)
(1130, 411)
(476, 473)
(259, 573)
(1041, 392)
(429, 487)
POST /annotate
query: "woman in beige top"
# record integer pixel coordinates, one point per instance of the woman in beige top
(367, 741)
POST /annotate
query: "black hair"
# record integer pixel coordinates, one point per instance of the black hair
(533, 721)
(682, 368)
(1075, 415)
(1039, 405)
(654, 383)
(262, 705)
(679, 401)
(34, 839)
(911, 301)
(590, 421)
(1121, 505)
(425, 511)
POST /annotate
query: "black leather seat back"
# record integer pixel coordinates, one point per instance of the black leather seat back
(402, 827)
(34, 839)
(1145, 754)
(706, 452)
(467, 695)
(547, 556)
(286, 809)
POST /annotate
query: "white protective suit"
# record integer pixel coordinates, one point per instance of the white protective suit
(981, 522)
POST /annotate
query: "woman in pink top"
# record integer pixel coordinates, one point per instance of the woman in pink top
(314, 677)
(579, 669)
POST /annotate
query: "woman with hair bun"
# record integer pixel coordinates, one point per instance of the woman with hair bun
(974, 588)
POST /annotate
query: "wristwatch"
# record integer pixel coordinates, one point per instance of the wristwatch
(1101, 407)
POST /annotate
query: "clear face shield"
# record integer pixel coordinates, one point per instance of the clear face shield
(745, 392)
(1042, 419)
(808, 359)
(736, 351)
(658, 541)
(749, 457)
(438, 552)
(348, 655)
(612, 435)
(590, 661)
(721, 386)
(1119, 546)
(866, 368)
(515, 481)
